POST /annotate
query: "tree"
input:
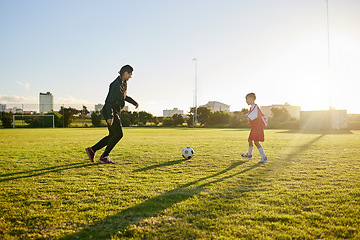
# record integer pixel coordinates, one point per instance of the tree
(157, 120)
(57, 119)
(68, 115)
(145, 117)
(178, 119)
(134, 118)
(96, 118)
(203, 114)
(84, 111)
(219, 117)
(7, 119)
(40, 121)
(126, 118)
(280, 115)
(168, 122)
(190, 119)
(235, 122)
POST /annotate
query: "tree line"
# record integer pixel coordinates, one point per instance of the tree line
(205, 118)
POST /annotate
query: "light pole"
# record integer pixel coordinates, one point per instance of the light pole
(195, 95)
(329, 73)
(328, 38)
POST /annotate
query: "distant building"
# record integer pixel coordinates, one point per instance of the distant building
(294, 111)
(98, 107)
(2, 107)
(46, 101)
(29, 112)
(14, 110)
(215, 106)
(170, 113)
(324, 120)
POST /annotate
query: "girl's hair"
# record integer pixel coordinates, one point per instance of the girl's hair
(251, 95)
(126, 68)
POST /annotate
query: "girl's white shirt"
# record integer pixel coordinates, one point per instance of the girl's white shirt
(253, 114)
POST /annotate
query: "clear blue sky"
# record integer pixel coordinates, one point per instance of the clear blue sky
(275, 48)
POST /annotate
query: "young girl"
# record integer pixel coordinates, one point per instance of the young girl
(258, 122)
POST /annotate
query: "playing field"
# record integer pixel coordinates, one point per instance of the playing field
(309, 189)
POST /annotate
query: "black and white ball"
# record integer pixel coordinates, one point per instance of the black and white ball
(188, 152)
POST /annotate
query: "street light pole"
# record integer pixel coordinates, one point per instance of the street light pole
(195, 95)
(328, 38)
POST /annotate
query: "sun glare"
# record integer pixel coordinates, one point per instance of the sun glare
(316, 85)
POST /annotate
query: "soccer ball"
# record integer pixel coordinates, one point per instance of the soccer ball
(188, 152)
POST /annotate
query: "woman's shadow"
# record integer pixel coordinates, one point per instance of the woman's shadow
(111, 225)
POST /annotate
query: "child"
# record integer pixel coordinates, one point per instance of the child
(258, 122)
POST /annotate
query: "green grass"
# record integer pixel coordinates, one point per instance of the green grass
(309, 189)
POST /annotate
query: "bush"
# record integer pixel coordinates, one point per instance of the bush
(220, 117)
(40, 121)
(178, 119)
(96, 118)
(280, 115)
(68, 115)
(168, 122)
(127, 118)
(6, 119)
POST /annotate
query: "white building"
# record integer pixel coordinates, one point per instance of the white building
(46, 102)
(170, 113)
(215, 106)
(294, 111)
(99, 107)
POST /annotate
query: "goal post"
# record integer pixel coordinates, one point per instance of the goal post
(34, 115)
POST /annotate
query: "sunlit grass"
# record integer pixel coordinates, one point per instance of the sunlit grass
(309, 189)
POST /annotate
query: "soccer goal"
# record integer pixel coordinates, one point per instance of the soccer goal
(33, 121)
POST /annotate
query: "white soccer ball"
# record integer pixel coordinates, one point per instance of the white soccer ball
(188, 152)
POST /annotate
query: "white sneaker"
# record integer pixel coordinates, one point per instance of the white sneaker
(246, 155)
(263, 160)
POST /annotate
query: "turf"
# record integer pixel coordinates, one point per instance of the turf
(309, 189)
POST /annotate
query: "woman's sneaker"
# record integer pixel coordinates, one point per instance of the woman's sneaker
(246, 155)
(263, 160)
(90, 153)
(105, 160)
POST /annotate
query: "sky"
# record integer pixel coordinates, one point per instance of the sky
(277, 49)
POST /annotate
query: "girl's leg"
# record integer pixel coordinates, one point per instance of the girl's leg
(257, 144)
(260, 148)
(251, 147)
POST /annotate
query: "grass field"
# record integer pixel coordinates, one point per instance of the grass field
(309, 189)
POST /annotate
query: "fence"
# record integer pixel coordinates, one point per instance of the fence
(35, 108)
(82, 119)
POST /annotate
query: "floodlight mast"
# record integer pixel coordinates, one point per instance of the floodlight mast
(195, 95)
(329, 73)
(328, 38)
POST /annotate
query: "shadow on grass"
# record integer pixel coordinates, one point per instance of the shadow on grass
(160, 165)
(294, 153)
(298, 150)
(38, 172)
(118, 223)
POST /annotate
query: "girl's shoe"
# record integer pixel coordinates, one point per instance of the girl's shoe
(246, 155)
(263, 160)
